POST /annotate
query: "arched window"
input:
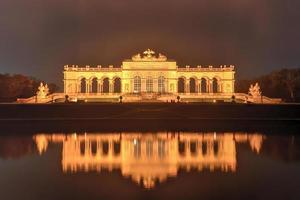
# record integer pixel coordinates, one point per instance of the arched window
(83, 85)
(215, 88)
(137, 84)
(149, 84)
(82, 147)
(94, 88)
(117, 148)
(181, 85)
(203, 85)
(193, 147)
(181, 147)
(117, 85)
(216, 148)
(105, 147)
(105, 85)
(161, 84)
(192, 85)
(93, 147)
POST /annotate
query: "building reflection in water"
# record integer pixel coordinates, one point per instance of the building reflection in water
(148, 158)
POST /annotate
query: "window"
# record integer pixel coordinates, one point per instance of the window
(161, 84)
(137, 84)
(149, 84)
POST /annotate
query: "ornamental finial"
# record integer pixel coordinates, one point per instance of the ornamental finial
(149, 53)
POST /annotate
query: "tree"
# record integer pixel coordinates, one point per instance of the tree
(283, 84)
(19, 86)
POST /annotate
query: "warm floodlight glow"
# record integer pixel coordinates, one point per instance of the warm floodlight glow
(148, 158)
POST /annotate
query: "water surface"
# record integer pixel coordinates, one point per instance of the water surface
(150, 165)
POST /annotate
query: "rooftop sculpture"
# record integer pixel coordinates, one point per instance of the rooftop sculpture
(149, 55)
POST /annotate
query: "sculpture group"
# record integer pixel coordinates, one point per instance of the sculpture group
(43, 91)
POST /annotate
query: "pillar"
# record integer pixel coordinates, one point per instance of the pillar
(187, 86)
(111, 86)
(87, 90)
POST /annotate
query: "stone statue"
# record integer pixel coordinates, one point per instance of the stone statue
(162, 57)
(254, 91)
(136, 57)
(149, 55)
(46, 89)
(43, 91)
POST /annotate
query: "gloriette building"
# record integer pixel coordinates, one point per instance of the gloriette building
(149, 76)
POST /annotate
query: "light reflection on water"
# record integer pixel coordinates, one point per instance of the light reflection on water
(149, 158)
(159, 165)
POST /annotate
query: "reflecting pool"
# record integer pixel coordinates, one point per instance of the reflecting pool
(150, 165)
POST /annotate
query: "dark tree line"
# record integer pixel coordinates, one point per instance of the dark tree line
(283, 84)
(20, 86)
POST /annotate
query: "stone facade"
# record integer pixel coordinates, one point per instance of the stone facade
(148, 74)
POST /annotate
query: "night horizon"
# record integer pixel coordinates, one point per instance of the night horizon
(41, 37)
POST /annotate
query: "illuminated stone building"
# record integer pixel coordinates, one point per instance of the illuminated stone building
(149, 158)
(148, 76)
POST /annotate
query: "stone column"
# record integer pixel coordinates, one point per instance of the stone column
(111, 86)
(101, 86)
(155, 85)
(87, 87)
(143, 85)
(78, 87)
(187, 87)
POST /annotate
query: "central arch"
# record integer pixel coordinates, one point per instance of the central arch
(181, 85)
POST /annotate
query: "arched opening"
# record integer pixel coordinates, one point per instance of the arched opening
(203, 85)
(216, 148)
(94, 88)
(192, 85)
(105, 85)
(181, 147)
(161, 84)
(181, 85)
(117, 85)
(193, 147)
(215, 88)
(137, 84)
(105, 148)
(82, 147)
(117, 148)
(149, 84)
(83, 85)
(94, 147)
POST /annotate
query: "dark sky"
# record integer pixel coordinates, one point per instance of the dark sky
(37, 37)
